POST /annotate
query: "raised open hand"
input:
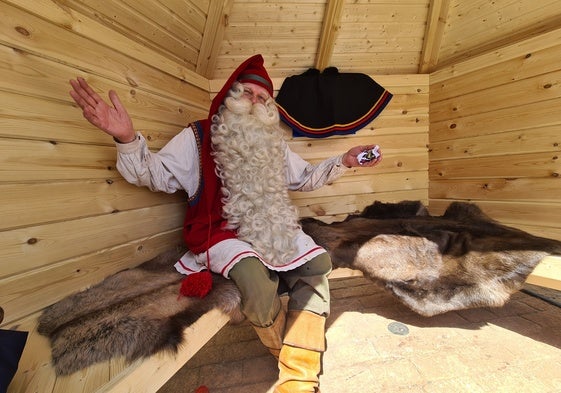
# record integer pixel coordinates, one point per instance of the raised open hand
(114, 120)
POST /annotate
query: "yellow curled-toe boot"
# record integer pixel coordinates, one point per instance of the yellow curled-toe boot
(300, 355)
(271, 336)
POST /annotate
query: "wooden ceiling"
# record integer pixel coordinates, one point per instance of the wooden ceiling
(211, 37)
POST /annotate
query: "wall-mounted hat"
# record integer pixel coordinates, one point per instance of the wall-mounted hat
(318, 104)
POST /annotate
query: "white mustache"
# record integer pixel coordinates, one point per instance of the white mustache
(266, 113)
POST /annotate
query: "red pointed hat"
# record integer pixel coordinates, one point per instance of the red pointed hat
(250, 71)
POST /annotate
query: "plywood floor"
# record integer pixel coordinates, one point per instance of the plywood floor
(516, 348)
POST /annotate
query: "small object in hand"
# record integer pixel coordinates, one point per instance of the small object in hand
(368, 155)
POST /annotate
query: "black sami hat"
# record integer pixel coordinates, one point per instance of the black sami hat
(318, 104)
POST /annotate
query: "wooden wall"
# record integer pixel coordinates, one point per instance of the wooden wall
(68, 218)
(401, 130)
(495, 134)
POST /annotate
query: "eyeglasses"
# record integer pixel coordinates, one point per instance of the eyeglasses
(253, 97)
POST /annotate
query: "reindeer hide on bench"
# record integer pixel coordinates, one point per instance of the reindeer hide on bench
(434, 264)
(460, 260)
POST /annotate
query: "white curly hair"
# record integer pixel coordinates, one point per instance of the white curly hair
(249, 152)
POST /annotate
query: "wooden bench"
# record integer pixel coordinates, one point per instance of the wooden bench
(35, 373)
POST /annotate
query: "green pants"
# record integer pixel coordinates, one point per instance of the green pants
(307, 287)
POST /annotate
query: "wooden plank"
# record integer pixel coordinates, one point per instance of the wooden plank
(216, 23)
(522, 189)
(88, 27)
(377, 44)
(390, 145)
(517, 93)
(148, 375)
(542, 231)
(389, 30)
(153, 19)
(512, 166)
(521, 67)
(378, 62)
(532, 115)
(145, 24)
(239, 31)
(25, 160)
(191, 12)
(536, 140)
(328, 36)
(30, 78)
(547, 273)
(35, 374)
(506, 23)
(499, 55)
(343, 272)
(33, 290)
(20, 204)
(84, 381)
(392, 181)
(263, 13)
(32, 248)
(52, 43)
(512, 213)
(382, 12)
(287, 45)
(432, 39)
(59, 122)
(336, 208)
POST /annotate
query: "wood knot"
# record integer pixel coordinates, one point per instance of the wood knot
(32, 240)
(23, 31)
(132, 82)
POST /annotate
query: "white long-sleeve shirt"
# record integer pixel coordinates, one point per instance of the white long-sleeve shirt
(176, 167)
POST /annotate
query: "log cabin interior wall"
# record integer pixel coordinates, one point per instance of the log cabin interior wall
(495, 134)
(69, 219)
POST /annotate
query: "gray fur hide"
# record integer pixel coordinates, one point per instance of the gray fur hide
(460, 260)
(133, 313)
(434, 264)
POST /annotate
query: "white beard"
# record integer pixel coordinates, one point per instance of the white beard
(249, 155)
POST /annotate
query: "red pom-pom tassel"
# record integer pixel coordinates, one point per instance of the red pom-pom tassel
(196, 284)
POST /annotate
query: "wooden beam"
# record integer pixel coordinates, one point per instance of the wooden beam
(436, 22)
(547, 273)
(330, 28)
(216, 22)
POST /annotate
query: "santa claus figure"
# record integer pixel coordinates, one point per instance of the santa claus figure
(237, 170)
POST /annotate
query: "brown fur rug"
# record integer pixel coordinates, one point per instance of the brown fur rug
(434, 264)
(133, 313)
(460, 260)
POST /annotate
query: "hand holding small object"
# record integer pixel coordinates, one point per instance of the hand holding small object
(363, 156)
(369, 155)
